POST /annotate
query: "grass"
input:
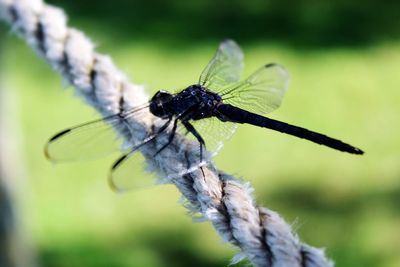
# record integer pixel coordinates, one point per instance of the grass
(346, 203)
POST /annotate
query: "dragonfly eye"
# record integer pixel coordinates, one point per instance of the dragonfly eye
(157, 103)
(162, 96)
(158, 109)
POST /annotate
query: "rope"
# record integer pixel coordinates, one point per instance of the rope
(261, 234)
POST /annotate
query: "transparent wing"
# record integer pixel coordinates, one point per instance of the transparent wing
(225, 67)
(213, 131)
(262, 92)
(90, 140)
(128, 173)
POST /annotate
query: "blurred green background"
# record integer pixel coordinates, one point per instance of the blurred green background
(344, 62)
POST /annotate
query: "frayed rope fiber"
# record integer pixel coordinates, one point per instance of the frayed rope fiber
(261, 234)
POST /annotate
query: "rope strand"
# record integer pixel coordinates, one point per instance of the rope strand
(261, 234)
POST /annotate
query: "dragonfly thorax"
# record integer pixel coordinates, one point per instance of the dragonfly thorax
(196, 101)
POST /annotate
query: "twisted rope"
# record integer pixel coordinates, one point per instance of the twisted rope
(261, 234)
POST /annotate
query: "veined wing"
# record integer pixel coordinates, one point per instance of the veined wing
(122, 174)
(225, 67)
(262, 92)
(214, 133)
(128, 173)
(92, 139)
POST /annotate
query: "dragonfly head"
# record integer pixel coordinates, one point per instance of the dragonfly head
(157, 102)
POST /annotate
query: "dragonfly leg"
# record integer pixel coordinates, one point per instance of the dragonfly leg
(170, 138)
(193, 131)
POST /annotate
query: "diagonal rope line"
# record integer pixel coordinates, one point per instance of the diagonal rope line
(261, 234)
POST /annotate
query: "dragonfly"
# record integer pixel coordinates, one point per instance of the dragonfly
(206, 112)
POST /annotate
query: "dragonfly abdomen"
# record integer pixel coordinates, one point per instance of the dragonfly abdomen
(238, 115)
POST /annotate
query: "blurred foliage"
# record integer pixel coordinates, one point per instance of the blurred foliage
(348, 89)
(305, 23)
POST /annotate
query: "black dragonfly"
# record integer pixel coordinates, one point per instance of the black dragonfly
(207, 111)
